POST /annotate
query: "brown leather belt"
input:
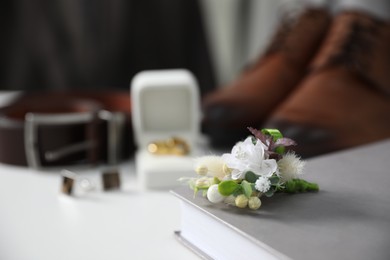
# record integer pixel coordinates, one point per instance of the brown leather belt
(42, 129)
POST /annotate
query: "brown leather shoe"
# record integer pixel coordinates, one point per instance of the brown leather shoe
(345, 101)
(246, 102)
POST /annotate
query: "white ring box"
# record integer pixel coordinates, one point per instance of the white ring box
(165, 104)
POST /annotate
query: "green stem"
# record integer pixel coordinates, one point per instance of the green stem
(298, 185)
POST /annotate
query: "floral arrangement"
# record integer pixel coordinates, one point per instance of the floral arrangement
(257, 166)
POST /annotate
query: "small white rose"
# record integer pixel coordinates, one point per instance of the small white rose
(213, 194)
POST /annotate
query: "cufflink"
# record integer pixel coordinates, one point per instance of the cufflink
(111, 180)
(72, 183)
(67, 184)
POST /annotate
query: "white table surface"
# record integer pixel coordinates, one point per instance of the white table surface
(37, 222)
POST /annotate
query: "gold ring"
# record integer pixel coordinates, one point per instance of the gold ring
(170, 146)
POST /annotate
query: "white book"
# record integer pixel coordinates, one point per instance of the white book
(349, 218)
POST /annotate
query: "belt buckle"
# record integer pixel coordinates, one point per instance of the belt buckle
(115, 124)
(34, 120)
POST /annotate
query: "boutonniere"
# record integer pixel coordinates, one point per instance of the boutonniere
(258, 166)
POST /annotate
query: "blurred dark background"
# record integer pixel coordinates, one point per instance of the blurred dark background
(99, 44)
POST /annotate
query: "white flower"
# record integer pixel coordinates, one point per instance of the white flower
(262, 184)
(211, 165)
(290, 166)
(213, 194)
(247, 156)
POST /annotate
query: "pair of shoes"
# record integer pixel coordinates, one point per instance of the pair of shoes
(340, 97)
(345, 100)
(248, 100)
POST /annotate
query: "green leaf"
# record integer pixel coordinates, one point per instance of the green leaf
(251, 176)
(269, 193)
(274, 180)
(247, 188)
(227, 188)
(253, 186)
(280, 149)
(237, 192)
(275, 133)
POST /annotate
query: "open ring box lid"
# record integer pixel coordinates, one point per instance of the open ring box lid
(165, 104)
